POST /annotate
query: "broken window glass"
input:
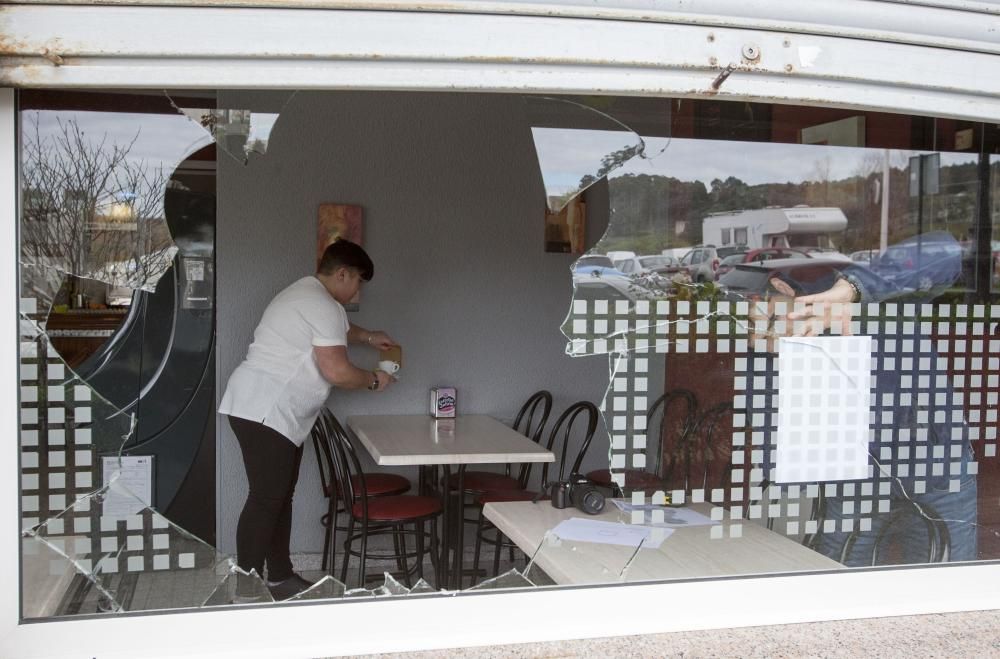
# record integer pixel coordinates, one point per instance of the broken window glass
(237, 131)
(576, 146)
(769, 411)
(107, 407)
(736, 436)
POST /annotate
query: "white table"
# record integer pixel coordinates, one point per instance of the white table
(421, 440)
(687, 553)
(418, 439)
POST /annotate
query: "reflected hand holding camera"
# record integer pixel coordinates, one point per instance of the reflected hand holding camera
(788, 314)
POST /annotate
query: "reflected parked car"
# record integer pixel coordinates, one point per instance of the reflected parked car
(805, 275)
(703, 260)
(657, 263)
(918, 262)
(757, 255)
(610, 287)
(596, 265)
(864, 256)
(825, 253)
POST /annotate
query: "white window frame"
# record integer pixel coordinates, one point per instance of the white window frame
(533, 53)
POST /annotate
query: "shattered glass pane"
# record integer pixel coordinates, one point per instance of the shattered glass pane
(93, 197)
(131, 553)
(325, 588)
(576, 146)
(238, 132)
(239, 587)
(510, 579)
(742, 251)
(104, 191)
(422, 587)
(54, 585)
(390, 587)
(714, 221)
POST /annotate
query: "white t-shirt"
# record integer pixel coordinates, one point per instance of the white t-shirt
(279, 383)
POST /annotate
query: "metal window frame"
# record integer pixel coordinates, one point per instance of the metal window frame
(544, 48)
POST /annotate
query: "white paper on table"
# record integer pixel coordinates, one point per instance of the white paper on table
(676, 518)
(577, 529)
(664, 516)
(627, 506)
(824, 397)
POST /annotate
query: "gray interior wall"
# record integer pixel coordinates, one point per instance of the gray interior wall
(453, 204)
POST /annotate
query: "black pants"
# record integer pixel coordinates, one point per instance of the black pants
(265, 527)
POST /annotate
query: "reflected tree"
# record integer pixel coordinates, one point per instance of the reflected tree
(91, 208)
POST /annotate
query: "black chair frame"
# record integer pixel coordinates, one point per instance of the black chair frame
(564, 423)
(346, 464)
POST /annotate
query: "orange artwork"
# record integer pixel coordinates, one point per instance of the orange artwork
(338, 221)
(565, 231)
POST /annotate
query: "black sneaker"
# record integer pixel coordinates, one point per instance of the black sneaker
(288, 588)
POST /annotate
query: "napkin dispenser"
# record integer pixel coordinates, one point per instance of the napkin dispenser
(443, 402)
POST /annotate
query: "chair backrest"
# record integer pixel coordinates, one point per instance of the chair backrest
(530, 422)
(336, 446)
(667, 432)
(706, 454)
(324, 453)
(584, 411)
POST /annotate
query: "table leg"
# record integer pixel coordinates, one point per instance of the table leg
(444, 580)
(459, 520)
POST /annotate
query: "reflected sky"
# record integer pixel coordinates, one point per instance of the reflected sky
(161, 140)
(705, 160)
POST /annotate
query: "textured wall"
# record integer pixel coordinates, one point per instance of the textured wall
(453, 205)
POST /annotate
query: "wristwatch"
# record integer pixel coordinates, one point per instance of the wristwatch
(374, 385)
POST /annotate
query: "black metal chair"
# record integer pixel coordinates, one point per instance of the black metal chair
(702, 459)
(530, 422)
(378, 515)
(656, 420)
(378, 485)
(938, 536)
(565, 425)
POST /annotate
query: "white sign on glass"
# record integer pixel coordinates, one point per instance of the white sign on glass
(824, 397)
(134, 490)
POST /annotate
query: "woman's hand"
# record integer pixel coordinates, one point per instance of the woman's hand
(380, 340)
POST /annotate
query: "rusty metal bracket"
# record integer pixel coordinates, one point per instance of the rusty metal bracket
(721, 78)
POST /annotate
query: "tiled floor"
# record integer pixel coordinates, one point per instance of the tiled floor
(946, 636)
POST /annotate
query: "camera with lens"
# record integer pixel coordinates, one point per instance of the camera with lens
(577, 492)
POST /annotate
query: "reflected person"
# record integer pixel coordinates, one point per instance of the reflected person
(299, 352)
(920, 444)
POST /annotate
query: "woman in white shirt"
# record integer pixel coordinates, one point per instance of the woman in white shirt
(274, 396)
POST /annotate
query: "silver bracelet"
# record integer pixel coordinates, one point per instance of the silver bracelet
(857, 291)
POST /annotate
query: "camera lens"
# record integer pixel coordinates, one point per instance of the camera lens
(593, 502)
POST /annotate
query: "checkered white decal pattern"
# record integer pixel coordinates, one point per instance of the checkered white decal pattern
(926, 365)
(823, 400)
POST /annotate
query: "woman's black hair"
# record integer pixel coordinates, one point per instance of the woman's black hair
(345, 254)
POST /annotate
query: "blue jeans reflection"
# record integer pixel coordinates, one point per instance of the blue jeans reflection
(906, 534)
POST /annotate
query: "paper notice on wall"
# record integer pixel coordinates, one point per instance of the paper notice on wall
(824, 397)
(134, 487)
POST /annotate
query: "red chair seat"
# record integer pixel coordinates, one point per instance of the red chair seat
(484, 481)
(508, 495)
(634, 479)
(380, 485)
(398, 508)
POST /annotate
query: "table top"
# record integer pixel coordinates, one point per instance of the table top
(686, 553)
(418, 439)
